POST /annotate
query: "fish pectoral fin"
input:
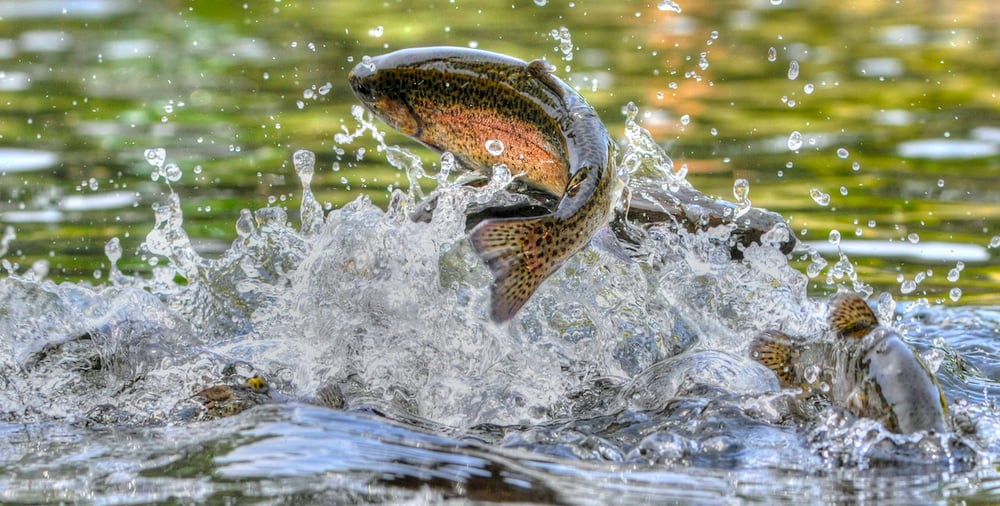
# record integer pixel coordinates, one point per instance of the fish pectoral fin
(777, 351)
(521, 253)
(851, 317)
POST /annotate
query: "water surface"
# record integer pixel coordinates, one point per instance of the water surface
(133, 279)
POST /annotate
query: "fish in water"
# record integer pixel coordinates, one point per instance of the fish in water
(866, 368)
(458, 100)
(470, 102)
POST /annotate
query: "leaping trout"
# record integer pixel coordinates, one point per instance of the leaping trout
(458, 100)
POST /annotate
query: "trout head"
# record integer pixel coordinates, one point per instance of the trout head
(381, 95)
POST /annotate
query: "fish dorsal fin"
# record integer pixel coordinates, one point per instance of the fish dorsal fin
(851, 317)
(777, 351)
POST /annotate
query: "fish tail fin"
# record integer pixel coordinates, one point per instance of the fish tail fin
(776, 351)
(521, 253)
(851, 316)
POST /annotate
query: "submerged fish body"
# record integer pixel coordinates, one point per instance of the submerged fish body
(866, 368)
(461, 100)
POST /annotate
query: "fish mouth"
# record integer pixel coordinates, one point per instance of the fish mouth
(360, 79)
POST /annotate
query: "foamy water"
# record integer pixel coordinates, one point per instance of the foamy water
(622, 379)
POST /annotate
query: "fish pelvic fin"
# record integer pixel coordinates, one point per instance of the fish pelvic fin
(777, 351)
(851, 317)
(521, 253)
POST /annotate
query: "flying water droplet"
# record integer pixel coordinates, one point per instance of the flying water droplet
(156, 156)
(772, 54)
(795, 141)
(793, 70)
(834, 237)
(113, 250)
(495, 147)
(368, 63)
(172, 172)
(741, 190)
(304, 162)
(669, 5)
(842, 153)
(819, 197)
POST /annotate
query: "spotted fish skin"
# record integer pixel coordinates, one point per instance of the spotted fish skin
(457, 99)
(867, 367)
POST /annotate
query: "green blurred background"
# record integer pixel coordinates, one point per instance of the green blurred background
(897, 104)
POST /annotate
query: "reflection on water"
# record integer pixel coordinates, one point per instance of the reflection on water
(620, 382)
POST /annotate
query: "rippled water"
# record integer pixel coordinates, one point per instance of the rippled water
(621, 380)
(133, 280)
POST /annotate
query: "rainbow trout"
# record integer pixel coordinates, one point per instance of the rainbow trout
(463, 101)
(866, 368)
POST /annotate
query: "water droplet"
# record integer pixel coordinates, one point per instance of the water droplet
(565, 40)
(772, 54)
(713, 132)
(908, 286)
(954, 294)
(113, 250)
(93, 184)
(495, 147)
(953, 275)
(669, 5)
(156, 156)
(776, 2)
(172, 172)
(834, 237)
(304, 162)
(995, 241)
(808, 88)
(843, 190)
(855, 166)
(795, 141)
(377, 31)
(821, 198)
(245, 224)
(541, 3)
(685, 119)
(940, 183)
(843, 153)
(793, 70)
(913, 237)
(369, 64)
(741, 189)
